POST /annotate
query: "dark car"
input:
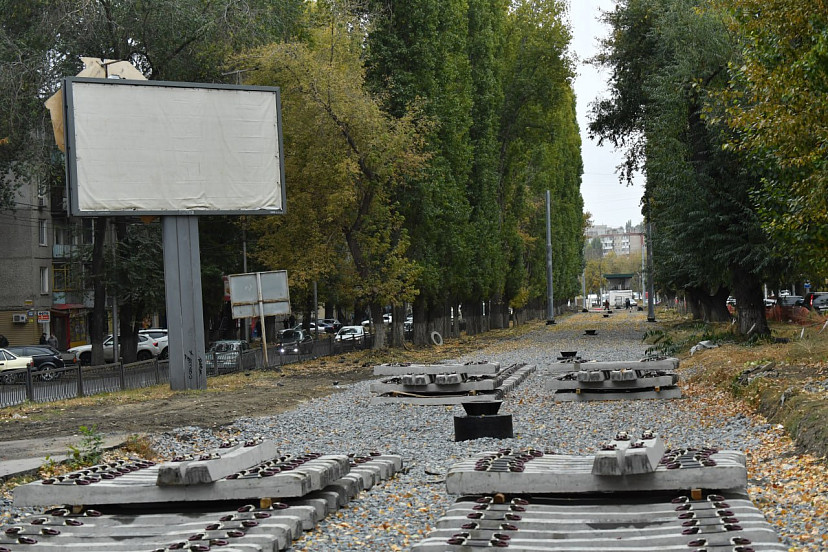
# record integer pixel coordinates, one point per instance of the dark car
(295, 341)
(816, 301)
(789, 301)
(225, 356)
(46, 359)
(333, 323)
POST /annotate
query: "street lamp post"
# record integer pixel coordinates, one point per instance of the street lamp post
(550, 304)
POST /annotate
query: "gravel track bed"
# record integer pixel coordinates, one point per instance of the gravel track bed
(400, 512)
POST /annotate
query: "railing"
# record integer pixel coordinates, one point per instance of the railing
(19, 386)
(24, 385)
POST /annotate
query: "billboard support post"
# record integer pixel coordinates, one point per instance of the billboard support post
(182, 282)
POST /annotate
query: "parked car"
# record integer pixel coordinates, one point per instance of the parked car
(817, 301)
(350, 333)
(789, 301)
(223, 356)
(311, 328)
(10, 362)
(333, 323)
(159, 335)
(147, 349)
(46, 359)
(295, 341)
(324, 327)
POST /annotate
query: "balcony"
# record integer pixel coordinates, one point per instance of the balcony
(63, 251)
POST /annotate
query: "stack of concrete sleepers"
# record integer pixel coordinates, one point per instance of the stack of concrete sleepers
(616, 380)
(114, 506)
(436, 384)
(632, 495)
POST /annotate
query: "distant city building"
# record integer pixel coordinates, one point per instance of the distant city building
(623, 241)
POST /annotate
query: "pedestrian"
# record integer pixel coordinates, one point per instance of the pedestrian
(627, 304)
(3, 341)
(43, 339)
(52, 341)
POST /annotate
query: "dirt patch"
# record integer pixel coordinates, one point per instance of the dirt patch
(261, 394)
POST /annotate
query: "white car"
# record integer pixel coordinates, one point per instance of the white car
(350, 333)
(9, 362)
(147, 349)
(159, 335)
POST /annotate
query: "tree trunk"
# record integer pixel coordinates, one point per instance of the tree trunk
(379, 326)
(97, 324)
(128, 334)
(750, 304)
(716, 305)
(693, 303)
(397, 322)
(420, 333)
(499, 315)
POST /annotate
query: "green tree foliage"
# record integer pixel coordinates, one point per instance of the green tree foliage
(667, 57)
(539, 151)
(416, 59)
(778, 106)
(345, 159)
(494, 78)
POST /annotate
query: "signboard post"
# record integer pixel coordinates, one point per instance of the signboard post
(260, 294)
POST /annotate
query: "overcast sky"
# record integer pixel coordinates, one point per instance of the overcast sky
(609, 201)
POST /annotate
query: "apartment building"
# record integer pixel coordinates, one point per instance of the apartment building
(624, 241)
(41, 283)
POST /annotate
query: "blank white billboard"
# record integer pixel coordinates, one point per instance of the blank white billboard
(171, 148)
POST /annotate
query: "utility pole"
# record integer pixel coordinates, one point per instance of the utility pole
(246, 322)
(550, 303)
(116, 350)
(651, 299)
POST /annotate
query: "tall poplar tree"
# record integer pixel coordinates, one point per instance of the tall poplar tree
(667, 57)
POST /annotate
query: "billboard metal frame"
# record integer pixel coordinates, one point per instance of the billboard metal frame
(71, 148)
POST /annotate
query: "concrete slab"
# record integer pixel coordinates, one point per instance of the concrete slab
(557, 474)
(437, 399)
(562, 382)
(139, 487)
(464, 387)
(583, 395)
(668, 364)
(216, 465)
(468, 369)
(603, 522)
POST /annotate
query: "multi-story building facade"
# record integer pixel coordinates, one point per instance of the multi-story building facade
(621, 241)
(41, 283)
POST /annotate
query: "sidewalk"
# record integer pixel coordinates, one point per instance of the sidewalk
(26, 456)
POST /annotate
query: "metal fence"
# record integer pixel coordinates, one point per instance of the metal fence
(80, 381)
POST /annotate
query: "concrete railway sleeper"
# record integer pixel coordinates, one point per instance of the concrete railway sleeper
(271, 526)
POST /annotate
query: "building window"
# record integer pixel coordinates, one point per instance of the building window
(60, 277)
(42, 233)
(44, 280)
